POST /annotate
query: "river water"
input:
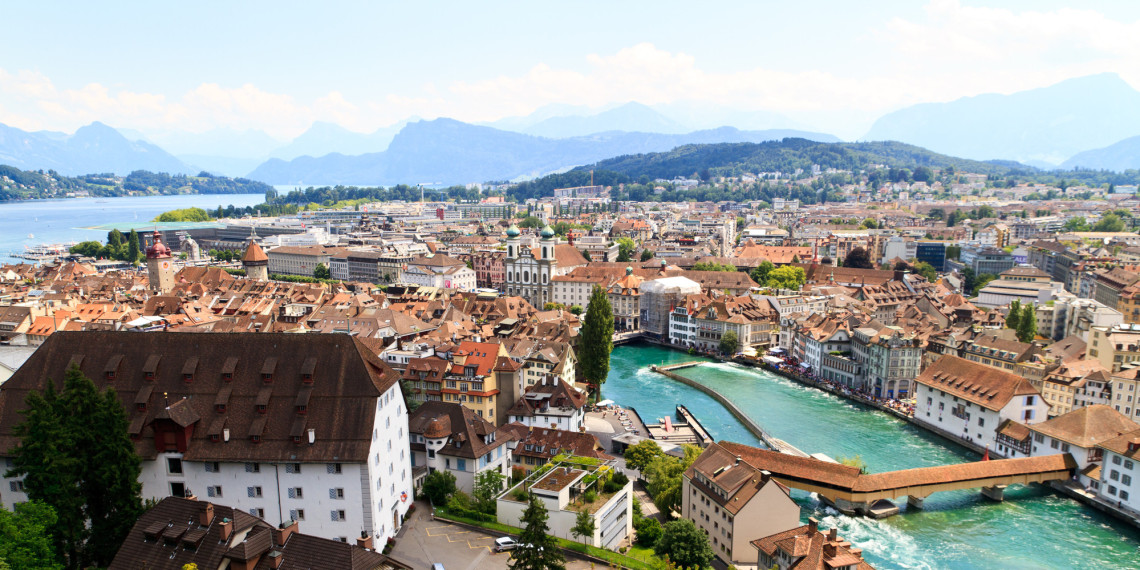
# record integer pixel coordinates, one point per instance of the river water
(66, 220)
(1033, 528)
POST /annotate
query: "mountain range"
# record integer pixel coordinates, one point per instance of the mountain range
(95, 148)
(1087, 122)
(445, 151)
(1041, 127)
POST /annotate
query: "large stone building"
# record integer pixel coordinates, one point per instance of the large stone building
(286, 427)
(530, 270)
(159, 266)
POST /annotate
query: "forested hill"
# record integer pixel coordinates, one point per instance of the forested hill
(16, 184)
(788, 155)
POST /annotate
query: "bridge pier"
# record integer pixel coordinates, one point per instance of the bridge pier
(995, 493)
(915, 502)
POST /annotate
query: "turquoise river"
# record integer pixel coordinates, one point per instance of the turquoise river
(1033, 528)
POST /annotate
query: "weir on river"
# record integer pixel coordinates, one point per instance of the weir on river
(1037, 528)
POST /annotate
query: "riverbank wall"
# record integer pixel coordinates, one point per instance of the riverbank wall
(749, 423)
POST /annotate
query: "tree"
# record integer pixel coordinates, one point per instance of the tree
(537, 549)
(77, 458)
(553, 306)
(488, 485)
(869, 224)
(576, 309)
(969, 279)
(685, 545)
(584, 525)
(1027, 324)
(1076, 224)
(646, 255)
(664, 477)
(438, 486)
(760, 273)
(321, 271)
(1109, 223)
(586, 255)
(531, 222)
(1013, 317)
(729, 343)
(927, 271)
(625, 249)
(596, 341)
(640, 455)
(787, 277)
(133, 247)
(25, 537)
(859, 258)
(114, 239)
(648, 531)
(86, 248)
(901, 265)
(983, 280)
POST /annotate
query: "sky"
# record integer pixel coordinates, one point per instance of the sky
(277, 67)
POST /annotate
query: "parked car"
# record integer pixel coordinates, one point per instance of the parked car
(505, 543)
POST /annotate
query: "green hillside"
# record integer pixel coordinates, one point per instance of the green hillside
(16, 184)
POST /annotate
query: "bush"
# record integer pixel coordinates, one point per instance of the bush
(521, 495)
(589, 497)
(438, 486)
(648, 531)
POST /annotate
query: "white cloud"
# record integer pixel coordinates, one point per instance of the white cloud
(949, 51)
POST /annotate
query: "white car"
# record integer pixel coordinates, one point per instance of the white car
(505, 543)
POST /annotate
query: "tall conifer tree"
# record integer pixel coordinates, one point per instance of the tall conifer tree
(537, 549)
(596, 340)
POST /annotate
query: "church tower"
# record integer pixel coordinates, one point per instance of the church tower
(547, 264)
(159, 267)
(255, 262)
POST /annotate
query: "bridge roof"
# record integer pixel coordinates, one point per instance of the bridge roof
(786, 465)
(963, 472)
(844, 478)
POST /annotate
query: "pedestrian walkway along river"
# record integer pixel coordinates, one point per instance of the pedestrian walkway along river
(1033, 528)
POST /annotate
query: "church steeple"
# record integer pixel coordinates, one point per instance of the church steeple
(160, 270)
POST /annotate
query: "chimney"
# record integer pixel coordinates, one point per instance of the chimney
(829, 551)
(833, 534)
(276, 558)
(813, 525)
(227, 527)
(282, 532)
(206, 516)
(312, 436)
(364, 541)
(899, 275)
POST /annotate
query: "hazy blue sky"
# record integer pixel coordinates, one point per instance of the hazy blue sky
(279, 66)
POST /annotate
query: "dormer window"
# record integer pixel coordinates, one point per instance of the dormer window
(296, 439)
(307, 378)
(255, 438)
(261, 408)
(215, 437)
(302, 410)
(228, 376)
(110, 375)
(220, 408)
(150, 375)
(187, 378)
(140, 407)
(267, 378)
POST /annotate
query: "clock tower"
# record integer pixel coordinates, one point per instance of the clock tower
(159, 266)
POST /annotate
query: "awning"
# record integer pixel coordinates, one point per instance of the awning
(776, 350)
(805, 365)
(606, 403)
(773, 360)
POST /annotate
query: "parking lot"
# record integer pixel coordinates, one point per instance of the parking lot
(423, 542)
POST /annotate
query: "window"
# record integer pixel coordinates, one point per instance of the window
(337, 493)
(257, 512)
(1124, 495)
(214, 491)
(253, 468)
(16, 486)
(297, 514)
(296, 493)
(1114, 475)
(337, 516)
(294, 468)
(212, 467)
(253, 492)
(1116, 460)
(333, 467)
(177, 489)
(1128, 464)
(1054, 443)
(461, 464)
